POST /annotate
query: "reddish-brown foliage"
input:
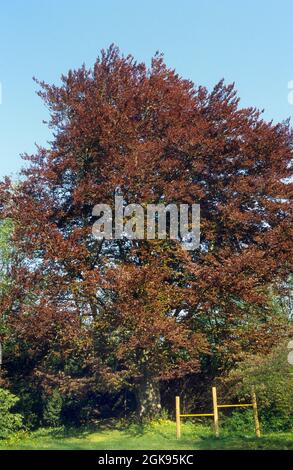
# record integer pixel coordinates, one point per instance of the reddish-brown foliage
(126, 311)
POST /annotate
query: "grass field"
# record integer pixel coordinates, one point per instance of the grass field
(156, 436)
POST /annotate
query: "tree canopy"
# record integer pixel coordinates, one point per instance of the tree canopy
(101, 316)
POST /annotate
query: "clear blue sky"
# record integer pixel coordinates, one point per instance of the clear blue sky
(249, 42)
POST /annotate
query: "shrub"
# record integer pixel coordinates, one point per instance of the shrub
(53, 409)
(9, 422)
(272, 377)
(239, 423)
(273, 421)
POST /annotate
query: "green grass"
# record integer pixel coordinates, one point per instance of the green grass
(156, 436)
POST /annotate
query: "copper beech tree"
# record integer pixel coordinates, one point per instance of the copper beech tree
(83, 313)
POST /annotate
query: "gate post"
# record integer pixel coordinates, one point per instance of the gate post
(255, 413)
(178, 421)
(216, 414)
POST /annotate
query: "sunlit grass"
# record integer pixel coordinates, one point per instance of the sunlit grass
(155, 436)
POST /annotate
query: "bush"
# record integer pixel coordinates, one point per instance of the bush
(9, 422)
(272, 421)
(272, 377)
(53, 409)
(239, 423)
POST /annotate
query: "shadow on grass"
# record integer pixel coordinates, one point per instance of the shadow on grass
(70, 432)
(245, 443)
(129, 429)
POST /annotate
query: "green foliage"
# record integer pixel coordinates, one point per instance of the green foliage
(273, 421)
(9, 422)
(273, 380)
(239, 423)
(6, 229)
(30, 405)
(53, 409)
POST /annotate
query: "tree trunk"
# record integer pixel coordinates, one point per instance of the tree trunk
(148, 398)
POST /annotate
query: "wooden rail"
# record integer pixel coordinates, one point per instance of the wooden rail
(215, 413)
